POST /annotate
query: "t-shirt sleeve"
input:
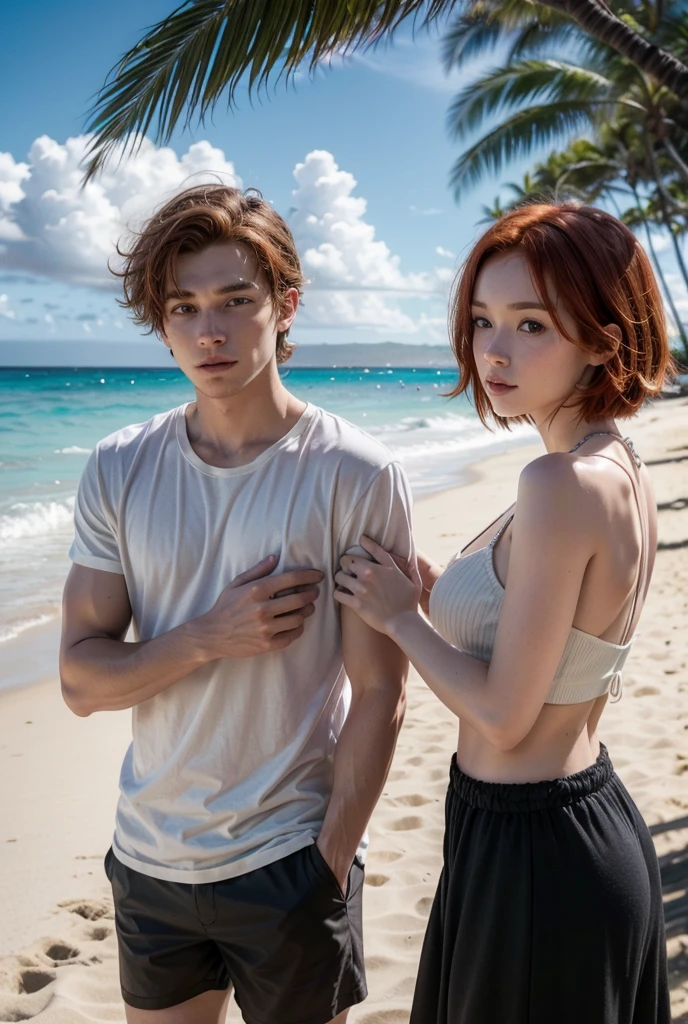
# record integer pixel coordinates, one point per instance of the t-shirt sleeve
(383, 513)
(95, 529)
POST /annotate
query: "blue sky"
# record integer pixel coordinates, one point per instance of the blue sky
(367, 140)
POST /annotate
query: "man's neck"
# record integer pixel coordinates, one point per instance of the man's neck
(230, 432)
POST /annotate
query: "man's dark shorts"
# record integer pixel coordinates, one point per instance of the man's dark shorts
(283, 936)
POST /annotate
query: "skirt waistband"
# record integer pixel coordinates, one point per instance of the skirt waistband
(524, 797)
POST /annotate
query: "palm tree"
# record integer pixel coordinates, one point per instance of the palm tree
(586, 172)
(202, 50)
(536, 101)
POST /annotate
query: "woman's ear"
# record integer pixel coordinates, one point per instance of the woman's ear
(613, 332)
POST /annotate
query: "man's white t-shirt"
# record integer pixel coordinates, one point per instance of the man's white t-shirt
(231, 767)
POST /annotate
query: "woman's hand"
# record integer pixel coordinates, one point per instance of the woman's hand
(429, 572)
(378, 591)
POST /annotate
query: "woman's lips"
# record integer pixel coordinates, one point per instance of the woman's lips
(497, 388)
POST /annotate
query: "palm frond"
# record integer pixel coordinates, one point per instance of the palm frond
(518, 136)
(555, 36)
(469, 37)
(186, 62)
(525, 82)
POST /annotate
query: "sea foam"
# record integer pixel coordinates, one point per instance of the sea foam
(31, 520)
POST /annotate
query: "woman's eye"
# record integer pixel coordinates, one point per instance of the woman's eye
(481, 321)
(532, 327)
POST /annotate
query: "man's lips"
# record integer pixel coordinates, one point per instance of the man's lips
(217, 364)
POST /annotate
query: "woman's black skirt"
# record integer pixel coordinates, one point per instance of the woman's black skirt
(548, 909)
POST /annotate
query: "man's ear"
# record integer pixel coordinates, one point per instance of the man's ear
(163, 339)
(613, 332)
(288, 307)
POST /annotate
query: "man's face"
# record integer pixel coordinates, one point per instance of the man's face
(220, 321)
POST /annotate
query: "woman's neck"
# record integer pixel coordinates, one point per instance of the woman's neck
(566, 429)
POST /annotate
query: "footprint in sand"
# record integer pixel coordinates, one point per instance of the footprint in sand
(386, 856)
(376, 880)
(60, 952)
(27, 980)
(406, 824)
(396, 775)
(385, 1017)
(90, 910)
(646, 691)
(415, 762)
(413, 800)
(423, 906)
(33, 979)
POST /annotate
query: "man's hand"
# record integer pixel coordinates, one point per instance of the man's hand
(339, 865)
(257, 613)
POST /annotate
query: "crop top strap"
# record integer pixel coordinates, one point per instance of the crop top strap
(500, 531)
(634, 477)
(496, 520)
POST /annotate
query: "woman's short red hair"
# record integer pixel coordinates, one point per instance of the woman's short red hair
(602, 276)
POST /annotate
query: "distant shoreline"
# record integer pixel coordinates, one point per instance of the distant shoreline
(36, 355)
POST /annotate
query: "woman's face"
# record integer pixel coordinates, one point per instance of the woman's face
(525, 365)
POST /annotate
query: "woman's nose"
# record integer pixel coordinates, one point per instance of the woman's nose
(496, 354)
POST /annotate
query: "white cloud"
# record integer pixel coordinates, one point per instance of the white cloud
(660, 243)
(67, 232)
(445, 252)
(349, 269)
(414, 59)
(5, 310)
(430, 211)
(52, 226)
(338, 246)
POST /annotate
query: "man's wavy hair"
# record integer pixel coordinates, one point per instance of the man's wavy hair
(601, 275)
(200, 216)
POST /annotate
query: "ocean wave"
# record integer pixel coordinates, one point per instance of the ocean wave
(443, 446)
(448, 423)
(17, 628)
(35, 519)
(73, 449)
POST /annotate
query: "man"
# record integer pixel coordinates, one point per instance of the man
(217, 528)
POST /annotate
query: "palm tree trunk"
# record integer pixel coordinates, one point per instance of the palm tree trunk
(660, 274)
(597, 19)
(664, 207)
(676, 157)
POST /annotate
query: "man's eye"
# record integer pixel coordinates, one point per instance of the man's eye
(184, 307)
(532, 327)
(238, 300)
(481, 321)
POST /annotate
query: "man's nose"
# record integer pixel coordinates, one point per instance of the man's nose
(210, 331)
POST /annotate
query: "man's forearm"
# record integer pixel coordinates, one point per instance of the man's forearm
(103, 674)
(362, 759)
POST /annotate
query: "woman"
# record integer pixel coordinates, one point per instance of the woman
(549, 908)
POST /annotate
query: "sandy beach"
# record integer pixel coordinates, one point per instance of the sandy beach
(58, 960)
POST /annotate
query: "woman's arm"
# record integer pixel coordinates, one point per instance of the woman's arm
(429, 572)
(554, 537)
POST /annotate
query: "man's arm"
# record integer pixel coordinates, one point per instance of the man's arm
(99, 671)
(377, 670)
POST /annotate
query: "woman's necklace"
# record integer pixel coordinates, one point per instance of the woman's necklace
(625, 441)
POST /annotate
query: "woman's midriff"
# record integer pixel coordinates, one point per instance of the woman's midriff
(563, 741)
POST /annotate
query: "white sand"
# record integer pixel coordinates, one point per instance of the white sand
(58, 960)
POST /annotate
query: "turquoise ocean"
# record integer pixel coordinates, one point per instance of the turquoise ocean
(50, 419)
